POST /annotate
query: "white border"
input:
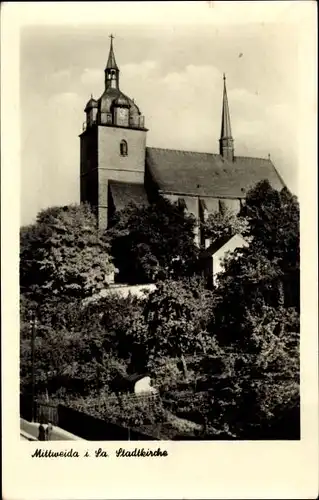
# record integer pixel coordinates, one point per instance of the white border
(199, 469)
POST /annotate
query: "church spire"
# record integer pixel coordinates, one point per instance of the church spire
(226, 142)
(111, 71)
(111, 63)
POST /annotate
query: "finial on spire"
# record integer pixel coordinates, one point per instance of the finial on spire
(224, 77)
(268, 156)
(111, 63)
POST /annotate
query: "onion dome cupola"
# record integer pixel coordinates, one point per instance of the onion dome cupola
(92, 103)
(122, 101)
(91, 110)
(121, 110)
(114, 107)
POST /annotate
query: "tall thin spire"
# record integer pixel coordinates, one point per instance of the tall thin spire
(111, 71)
(111, 63)
(226, 142)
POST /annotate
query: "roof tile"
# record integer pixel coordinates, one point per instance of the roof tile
(206, 174)
(124, 193)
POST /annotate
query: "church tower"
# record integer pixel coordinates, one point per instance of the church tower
(226, 142)
(112, 144)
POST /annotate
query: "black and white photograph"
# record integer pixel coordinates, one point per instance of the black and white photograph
(159, 232)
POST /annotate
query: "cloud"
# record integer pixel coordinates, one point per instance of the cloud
(145, 69)
(60, 76)
(64, 106)
(192, 77)
(182, 110)
(57, 81)
(92, 77)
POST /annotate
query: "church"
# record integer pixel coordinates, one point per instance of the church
(118, 168)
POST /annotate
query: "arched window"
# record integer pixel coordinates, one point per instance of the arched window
(123, 148)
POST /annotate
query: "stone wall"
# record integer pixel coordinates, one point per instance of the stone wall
(124, 291)
(113, 166)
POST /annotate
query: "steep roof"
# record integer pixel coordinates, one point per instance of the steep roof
(222, 241)
(111, 63)
(124, 193)
(206, 174)
(135, 377)
(226, 128)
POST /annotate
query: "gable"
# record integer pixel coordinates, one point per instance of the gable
(237, 241)
(223, 245)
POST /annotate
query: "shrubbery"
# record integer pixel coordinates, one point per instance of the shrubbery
(228, 359)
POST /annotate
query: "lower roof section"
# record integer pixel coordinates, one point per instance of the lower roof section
(126, 193)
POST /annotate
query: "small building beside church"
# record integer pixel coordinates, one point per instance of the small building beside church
(117, 167)
(213, 257)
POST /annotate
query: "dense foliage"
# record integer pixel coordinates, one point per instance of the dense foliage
(63, 254)
(266, 273)
(224, 223)
(176, 315)
(154, 242)
(273, 219)
(226, 359)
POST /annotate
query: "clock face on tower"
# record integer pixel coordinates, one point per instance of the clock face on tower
(122, 116)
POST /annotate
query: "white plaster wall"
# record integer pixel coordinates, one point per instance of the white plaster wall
(235, 242)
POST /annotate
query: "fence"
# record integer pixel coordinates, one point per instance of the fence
(42, 412)
(81, 424)
(46, 413)
(95, 429)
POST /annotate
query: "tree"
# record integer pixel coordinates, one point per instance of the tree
(256, 322)
(153, 243)
(63, 254)
(223, 223)
(176, 315)
(256, 390)
(122, 322)
(81, 347)
(273, 218)
(265, 273)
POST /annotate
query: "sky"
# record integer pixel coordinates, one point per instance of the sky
(174, 72)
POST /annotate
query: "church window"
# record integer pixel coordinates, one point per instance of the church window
(123, 148)
(182, 204)
(222, 207)
(203, 212)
